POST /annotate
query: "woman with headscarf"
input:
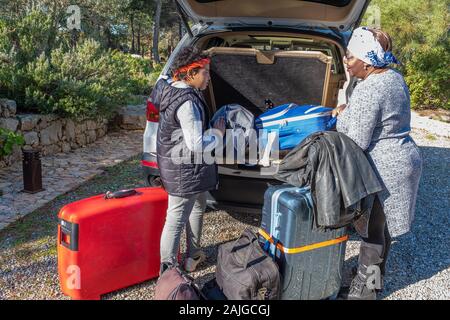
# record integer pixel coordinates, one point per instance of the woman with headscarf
(377, 117)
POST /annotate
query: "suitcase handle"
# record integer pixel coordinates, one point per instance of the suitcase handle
(68, 234)
(266, 248)
(120, 194)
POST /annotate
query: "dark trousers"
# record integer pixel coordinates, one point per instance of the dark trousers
(378, 238)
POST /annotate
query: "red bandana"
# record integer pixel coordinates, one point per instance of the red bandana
(197, 64)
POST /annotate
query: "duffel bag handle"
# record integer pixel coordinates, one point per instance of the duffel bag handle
(251, 236)
(120, 194)
(247, 233)
(249, 251)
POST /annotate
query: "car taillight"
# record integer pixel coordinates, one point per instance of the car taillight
(152, 112)
(149, 164)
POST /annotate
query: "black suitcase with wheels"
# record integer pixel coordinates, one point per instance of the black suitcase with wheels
(310, 260)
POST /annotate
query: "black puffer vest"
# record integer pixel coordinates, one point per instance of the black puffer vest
(186, 178)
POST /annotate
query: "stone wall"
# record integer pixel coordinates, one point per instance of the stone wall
(48, 133)
(131, 117)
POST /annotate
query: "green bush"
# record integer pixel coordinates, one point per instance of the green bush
(40, 70)
(428, 78)
(412, 24)
(84, 82)
(419, 30)
(139, 72)
(156, 72)
(8, 140)
(27, 37)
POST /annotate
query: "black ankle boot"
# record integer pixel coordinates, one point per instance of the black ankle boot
(362, 287)
(359, 290)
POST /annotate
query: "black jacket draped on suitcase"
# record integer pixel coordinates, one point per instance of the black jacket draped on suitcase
(343, 183)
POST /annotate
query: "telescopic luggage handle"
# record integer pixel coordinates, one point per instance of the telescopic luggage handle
(120, 194)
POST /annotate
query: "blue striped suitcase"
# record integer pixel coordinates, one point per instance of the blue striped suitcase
(294, 123)
(310, 260)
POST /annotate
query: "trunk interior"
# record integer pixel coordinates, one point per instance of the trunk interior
(249, 76)
(248, 68)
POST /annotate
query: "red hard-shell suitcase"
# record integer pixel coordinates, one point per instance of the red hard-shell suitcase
(111, 241)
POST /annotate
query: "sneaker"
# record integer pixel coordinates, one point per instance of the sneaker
(191, 263)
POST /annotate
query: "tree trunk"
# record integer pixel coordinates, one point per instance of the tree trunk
(156, 31)
(139, 39)
(132, 33)
(170, 46)
(108, 36)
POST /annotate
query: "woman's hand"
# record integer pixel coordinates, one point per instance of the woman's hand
(336, 111)
(219, 124)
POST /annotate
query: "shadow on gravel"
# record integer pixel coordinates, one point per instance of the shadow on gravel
(423, 252)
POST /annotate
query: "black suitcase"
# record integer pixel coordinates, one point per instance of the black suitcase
(310, 260)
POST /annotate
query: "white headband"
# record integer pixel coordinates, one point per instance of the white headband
(364, 46)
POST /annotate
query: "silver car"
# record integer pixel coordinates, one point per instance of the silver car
(284, 50)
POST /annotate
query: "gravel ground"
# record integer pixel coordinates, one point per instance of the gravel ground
(439, 128)
(418, 267)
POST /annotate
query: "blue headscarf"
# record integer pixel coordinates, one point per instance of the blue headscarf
(364, 46)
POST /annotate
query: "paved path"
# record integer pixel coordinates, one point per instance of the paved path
(63, 172)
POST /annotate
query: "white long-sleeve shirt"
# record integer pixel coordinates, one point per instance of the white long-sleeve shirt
(191, 123)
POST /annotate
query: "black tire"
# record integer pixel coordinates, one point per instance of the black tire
(154, 181)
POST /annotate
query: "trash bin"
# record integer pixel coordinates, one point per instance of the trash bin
(32, 171)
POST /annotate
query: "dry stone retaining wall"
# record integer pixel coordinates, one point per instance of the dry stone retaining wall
(49, 133)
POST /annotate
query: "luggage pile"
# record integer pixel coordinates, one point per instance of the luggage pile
(287, 259)
(111, 241)
(106, 243)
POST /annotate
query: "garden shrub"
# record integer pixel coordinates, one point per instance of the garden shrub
(139, 70)
(158, 67)
(8, 139)
(44, 74)
(86, 81)
(428, 78)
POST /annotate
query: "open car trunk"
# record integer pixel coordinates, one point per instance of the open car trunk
(248, 76)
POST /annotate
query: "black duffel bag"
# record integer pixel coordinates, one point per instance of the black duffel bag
(245, 271)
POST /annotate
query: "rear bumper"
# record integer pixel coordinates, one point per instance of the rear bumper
(149, 164)
(243, 193)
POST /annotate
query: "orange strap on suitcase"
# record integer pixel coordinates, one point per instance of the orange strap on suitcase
(309, 247)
